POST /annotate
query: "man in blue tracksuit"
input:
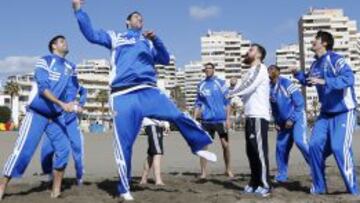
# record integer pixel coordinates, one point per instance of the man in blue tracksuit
(134, 94)
(288, 110)
(74, 134)
(213, 109)
(332, 133)
(46, 103)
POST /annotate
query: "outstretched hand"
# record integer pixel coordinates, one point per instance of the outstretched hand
(293, 69)
(149, 35)
(76, 4)
(316, 81)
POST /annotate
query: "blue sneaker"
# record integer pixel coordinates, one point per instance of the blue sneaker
(314, 192)
(280, 179)
(263, 192)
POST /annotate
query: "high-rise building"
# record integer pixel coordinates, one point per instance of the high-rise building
(180, 79)
(193, 76)
(167, 74)
(94, 76)
(288, 56)
(226, 50)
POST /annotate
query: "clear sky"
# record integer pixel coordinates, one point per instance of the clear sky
(26, 26)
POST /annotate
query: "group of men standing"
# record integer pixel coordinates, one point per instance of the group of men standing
(264, 92)
(53, 107)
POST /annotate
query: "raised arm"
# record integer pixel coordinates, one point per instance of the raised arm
(300, 75)
(161, 55)
(100, 36)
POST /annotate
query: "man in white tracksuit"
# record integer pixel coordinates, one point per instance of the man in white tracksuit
(254, 90)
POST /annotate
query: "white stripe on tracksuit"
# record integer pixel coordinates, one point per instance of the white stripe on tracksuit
(304, 125)
(155, 136)
(118, 152)
(261, 152)
(82, 150)
(348, 164)
(23, 134)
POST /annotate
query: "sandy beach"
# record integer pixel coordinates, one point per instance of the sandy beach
(180, 169)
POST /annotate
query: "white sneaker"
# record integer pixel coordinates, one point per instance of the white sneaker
(50, 177)
(127, 196)
(263, 192)
(207, 155)
(80, 182)
(248, 189)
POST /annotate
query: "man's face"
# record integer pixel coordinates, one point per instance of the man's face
(209, 71)
(233, 82)
(135, 22)
(317, 44)
(61, 46)
(251, 55)
(273, 72)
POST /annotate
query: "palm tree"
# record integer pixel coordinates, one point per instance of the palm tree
(179, 97)
(12, 88)
(102, 97)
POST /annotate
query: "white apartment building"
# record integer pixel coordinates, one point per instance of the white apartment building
(193, 76)
(288, 56)
(5, 100)
(94, 76)
(180, 79)
(167, 73)
(25, 83)
(226, 50)
(346, 41)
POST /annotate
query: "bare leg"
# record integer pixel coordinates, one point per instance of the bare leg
(147, 167)
(3, 186)
(157, 170)
(56, 189)
(203, 166)
(226, 152)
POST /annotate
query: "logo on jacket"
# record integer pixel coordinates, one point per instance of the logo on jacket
(206, 92)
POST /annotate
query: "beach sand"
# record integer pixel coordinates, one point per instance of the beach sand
(180, 170)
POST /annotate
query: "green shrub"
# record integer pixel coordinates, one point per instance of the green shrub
(5, 114)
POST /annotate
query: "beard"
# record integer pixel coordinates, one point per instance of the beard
(248, 60)
(66, 51)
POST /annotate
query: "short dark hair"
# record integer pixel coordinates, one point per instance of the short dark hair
(131, 14)
(261, 50)
(53, 41)
(274, 66)
(209, 64)
(326, 37)
(128, 18)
